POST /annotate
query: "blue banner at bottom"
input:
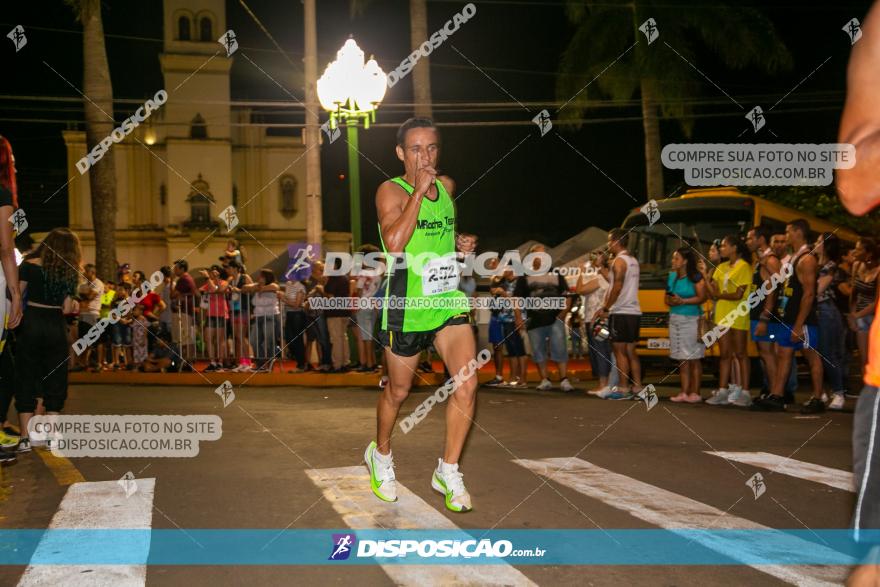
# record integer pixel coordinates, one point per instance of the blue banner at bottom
(445, 547)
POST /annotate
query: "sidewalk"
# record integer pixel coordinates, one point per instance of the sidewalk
(577, 370)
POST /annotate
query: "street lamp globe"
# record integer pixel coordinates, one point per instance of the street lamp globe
(350, 88)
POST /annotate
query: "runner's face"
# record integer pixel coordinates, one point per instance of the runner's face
(422, 149)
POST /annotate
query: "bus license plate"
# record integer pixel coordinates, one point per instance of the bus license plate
(658, 343)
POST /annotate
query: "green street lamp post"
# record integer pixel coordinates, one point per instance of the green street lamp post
(351, 90)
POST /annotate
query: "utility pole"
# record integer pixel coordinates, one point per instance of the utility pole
(314, 220)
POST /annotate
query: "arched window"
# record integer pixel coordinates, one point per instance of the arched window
(200, 200)
(287, 205)
(183, 29)
(198, 129)
(206, 32)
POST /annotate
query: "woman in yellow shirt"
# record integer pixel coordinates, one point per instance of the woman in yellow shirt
(730, 287)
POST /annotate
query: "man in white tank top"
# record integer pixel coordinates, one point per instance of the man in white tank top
(622, 309)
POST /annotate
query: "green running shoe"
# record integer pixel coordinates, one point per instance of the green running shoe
(382, 480)
(8, 442)
(449, 481)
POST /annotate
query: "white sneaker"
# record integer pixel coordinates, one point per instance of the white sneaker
(544, 385)
(719, 397)
(449, 481)
(382, 480)
(565, 385)
(598, 392)
(740, 397)
(824, 397)
(605, 392)
(837, 402)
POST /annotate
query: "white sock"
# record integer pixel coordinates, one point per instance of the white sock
(447, 468)
(384, 459)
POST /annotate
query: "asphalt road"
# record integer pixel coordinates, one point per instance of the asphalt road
(255, 475)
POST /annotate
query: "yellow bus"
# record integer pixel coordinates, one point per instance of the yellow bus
(697, 218)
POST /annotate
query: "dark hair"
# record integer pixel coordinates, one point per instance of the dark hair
(831, 246)
(165, 270)
(89, 267)
(762, 232)
(235, 265)
(690, 263)
(141, 273)
(182, 263)
(742, 250)
(870, 245)
(7, 170)
(268, 275)
(220, 270)
(802, 225)
(619, 235)
(411, 124)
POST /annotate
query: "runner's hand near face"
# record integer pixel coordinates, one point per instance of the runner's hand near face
(425, 177)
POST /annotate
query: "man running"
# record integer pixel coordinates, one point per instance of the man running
(763, 321)
(622, 309)
(798, 330)
(859, 190)
(416, 215)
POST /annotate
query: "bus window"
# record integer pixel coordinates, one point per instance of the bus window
(653, 245)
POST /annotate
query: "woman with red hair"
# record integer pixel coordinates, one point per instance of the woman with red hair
(10, 309)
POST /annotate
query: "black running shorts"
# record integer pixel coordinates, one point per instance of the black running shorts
(623, 327)
(408, 344)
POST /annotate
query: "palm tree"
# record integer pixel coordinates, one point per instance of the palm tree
(98, 106)
(418, 34)
(738, 36)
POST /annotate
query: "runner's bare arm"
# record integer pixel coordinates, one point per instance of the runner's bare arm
(397, 215)
(860, 124)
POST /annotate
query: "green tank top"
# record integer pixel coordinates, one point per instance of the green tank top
(426, 278)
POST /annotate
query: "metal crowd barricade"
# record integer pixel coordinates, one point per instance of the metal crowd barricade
(223, 328)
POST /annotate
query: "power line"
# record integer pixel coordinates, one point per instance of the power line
(522, 122)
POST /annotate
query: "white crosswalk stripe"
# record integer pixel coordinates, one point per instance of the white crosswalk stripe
(672, 511)
(94, 506)
(836, 478)
(348, 491)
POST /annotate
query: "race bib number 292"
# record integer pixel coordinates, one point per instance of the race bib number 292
(440, 275)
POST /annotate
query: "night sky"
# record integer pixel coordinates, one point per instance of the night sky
(519, 185)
